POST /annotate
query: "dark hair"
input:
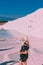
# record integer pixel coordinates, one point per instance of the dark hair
(25, 43)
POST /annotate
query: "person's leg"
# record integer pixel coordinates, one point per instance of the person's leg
(20, 63)
(24, 63)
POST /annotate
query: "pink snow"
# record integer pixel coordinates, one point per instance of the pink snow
(31, 26)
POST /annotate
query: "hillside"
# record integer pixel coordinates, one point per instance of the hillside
(32, 24)
(2, 22)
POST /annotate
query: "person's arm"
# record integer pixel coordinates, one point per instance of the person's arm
(24, 52)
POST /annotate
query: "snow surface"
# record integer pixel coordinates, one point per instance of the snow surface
(32, 26)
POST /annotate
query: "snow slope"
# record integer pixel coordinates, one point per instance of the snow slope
(31, 24)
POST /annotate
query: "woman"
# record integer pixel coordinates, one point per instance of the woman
(24, 53)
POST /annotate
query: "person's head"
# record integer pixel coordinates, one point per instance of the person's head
(26, 42)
